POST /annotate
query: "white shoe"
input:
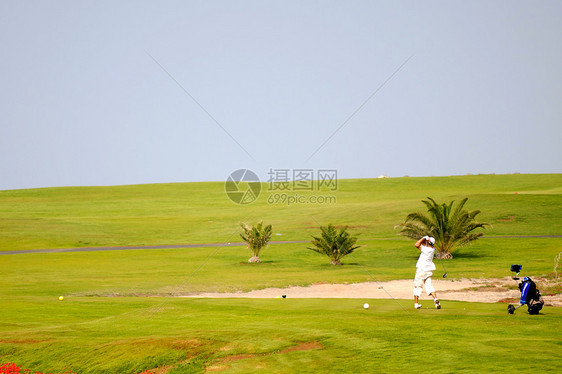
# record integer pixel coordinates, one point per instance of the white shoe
(437, 304)
(417, 306)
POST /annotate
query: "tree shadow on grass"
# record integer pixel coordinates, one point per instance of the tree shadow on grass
(469, 255)
(343, 265)
(456, 255)
(256, 263)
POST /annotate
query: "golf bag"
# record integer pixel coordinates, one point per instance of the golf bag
(530, 296)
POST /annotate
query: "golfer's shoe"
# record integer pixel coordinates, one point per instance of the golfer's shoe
(437, 304)
(417, 306)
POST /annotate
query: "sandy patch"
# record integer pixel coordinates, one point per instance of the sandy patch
(474, 290)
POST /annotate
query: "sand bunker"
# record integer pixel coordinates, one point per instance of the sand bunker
(474, 290)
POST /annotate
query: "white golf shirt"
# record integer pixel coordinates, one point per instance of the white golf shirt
(425, 261)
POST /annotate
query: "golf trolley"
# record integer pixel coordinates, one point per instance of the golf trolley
(530, 295)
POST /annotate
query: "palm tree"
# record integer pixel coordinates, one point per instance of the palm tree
(451, 228)
(256, 237)
(334, 244)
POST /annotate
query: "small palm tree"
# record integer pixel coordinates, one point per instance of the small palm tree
(334, 244)
(256, 237)
(452, 228)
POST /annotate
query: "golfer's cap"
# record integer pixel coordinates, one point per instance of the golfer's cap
(432, 240)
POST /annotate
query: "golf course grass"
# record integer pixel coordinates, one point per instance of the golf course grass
(129, 335)
(119, 315)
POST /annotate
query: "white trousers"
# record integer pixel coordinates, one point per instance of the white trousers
(423, 278)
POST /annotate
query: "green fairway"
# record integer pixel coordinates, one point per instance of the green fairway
(118, 315)
(93, 335)
(224, 269)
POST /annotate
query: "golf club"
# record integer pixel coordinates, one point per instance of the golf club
(442, 264)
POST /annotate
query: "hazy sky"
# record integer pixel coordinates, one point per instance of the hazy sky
(127, 92)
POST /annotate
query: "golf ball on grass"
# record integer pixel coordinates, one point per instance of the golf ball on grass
(61, 298)
(366, 306)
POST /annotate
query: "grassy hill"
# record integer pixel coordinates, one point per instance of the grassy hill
(202, 213)
(118, 315)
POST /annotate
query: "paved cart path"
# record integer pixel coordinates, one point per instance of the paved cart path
(204, 245)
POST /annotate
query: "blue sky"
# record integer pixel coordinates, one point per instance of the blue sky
(109, 93)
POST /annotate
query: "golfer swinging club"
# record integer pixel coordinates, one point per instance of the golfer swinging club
(424, 271)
